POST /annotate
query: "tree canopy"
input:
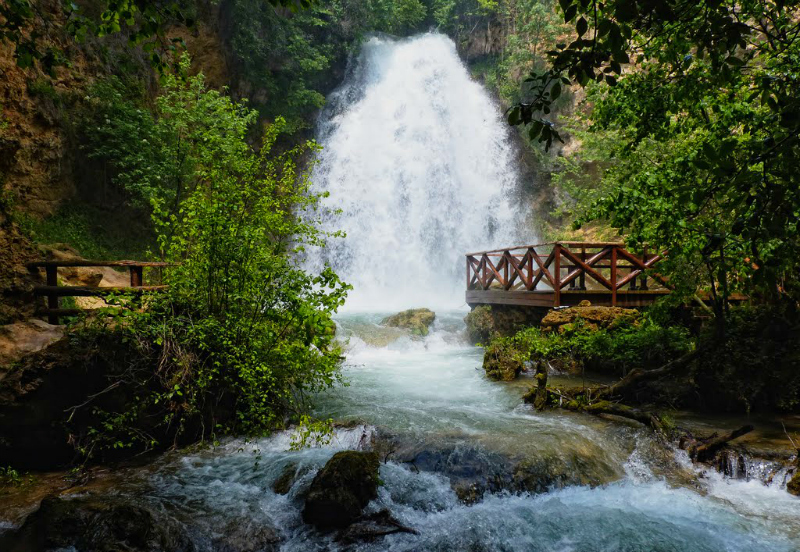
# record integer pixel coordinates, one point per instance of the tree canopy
(703, 100)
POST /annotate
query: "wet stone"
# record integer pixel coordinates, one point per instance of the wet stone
(418, 321)
(244, 536)
(341, 489)
(100, 524)
(286, 480)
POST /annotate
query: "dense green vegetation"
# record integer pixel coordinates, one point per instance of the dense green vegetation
(700, 134)
(244, 334)
(630, 343)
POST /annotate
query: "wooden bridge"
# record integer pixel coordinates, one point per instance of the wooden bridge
(564, 273)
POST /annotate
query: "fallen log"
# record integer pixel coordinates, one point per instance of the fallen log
(704, 450)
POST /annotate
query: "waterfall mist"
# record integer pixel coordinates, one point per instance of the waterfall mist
(418, 159)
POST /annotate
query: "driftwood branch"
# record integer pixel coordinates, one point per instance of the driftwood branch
(638, 376)
(704, 450)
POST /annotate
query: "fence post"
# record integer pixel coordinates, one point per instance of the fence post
(582, 277)
(614, 276)
(52, 299)
(643, 287)
(137, 273)
(557, 274)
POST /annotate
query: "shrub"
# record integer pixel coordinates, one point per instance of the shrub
(756, 367)
(244, 334)
(618, 349)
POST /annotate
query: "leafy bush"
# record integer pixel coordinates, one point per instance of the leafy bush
(756, 367)
(244, 334)
(640, 344)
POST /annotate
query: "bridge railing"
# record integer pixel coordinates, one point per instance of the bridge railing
(552, 267)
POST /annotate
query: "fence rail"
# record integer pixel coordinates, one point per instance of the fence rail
(53, 291)
(558, 273)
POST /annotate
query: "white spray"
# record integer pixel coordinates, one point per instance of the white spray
(417, 157)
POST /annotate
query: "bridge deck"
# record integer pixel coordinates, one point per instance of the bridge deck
(564, 273)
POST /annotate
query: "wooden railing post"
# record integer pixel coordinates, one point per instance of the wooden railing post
(643, 287)
(582, 277)
(137, 276)
(614, 276)
(468, 278)
(557, 275)
(52, 298)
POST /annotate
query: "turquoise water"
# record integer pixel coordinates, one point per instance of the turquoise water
(617, 489)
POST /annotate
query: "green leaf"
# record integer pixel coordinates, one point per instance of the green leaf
(581, 26)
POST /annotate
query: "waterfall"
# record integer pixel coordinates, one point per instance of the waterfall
(417, 158)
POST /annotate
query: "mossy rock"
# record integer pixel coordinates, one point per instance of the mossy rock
(341, 489)
(591, 318)
(99, 523)
(501, 362)
(480, 324)
(418, 321)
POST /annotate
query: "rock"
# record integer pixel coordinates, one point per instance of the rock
(475, 471)
(480, 324)
(21, 338)
(593, 318)
(372, 527)
(484, 322)
(793, 487)
(285, 480)
(341, 489)
(247, 536)
(501, 361)
(416, 320)
(100, 524)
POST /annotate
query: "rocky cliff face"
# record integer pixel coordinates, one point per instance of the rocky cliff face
(487, 38)
(35, 160)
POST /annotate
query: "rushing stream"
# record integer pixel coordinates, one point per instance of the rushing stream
(594, 485)
(418, 160)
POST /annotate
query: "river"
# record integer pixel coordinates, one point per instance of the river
(596, 485)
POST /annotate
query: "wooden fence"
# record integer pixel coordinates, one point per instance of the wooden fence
(53, 291)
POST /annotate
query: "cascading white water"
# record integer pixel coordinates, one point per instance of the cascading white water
(418, 159)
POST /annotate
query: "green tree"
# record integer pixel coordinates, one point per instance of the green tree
(244, 333)
(707, 123)
(27, 25)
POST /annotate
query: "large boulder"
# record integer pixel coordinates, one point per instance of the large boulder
(418, 321)
(341, 489)
(100, 524)
(593, 318)
(485, 321)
